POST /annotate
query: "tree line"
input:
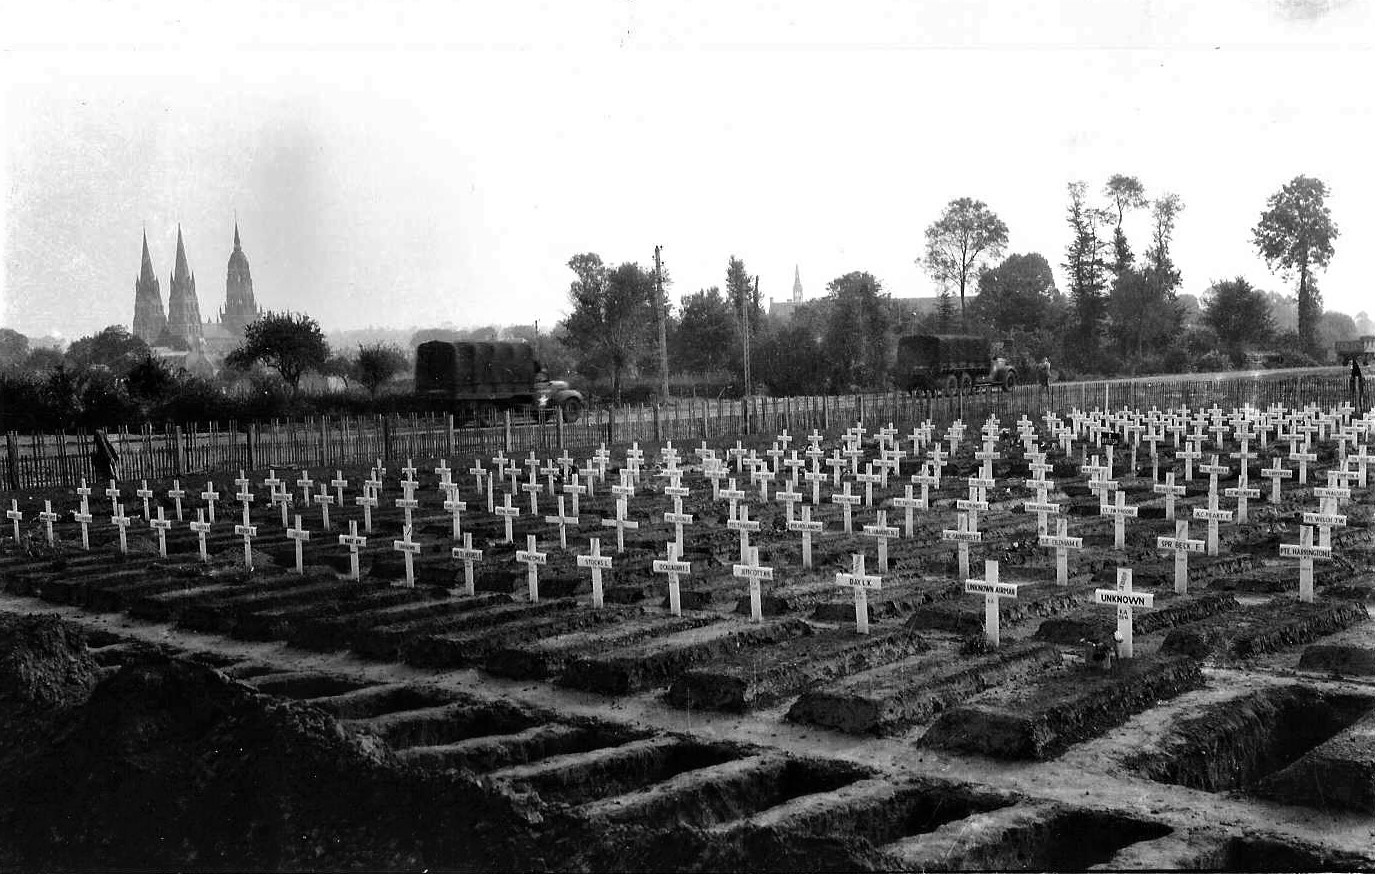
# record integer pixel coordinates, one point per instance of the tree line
(1120, 313)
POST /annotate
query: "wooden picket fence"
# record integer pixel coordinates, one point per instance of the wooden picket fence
(40, 460)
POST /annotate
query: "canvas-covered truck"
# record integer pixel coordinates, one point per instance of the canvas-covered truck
(951, 364)
(470, 378)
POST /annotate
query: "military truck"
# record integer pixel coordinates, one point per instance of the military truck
(1362, 350)
(951, 364)
(471, 378)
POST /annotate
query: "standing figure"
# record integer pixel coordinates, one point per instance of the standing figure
(105, 459)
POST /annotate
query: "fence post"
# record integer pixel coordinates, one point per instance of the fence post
(386, 437)
(507, 416)
(179, 450)
(12, 460)
(324, 440)
(449, 440)
(250, 435)
(658, 438)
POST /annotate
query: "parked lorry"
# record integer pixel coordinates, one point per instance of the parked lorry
(951, 364)
(470, 378)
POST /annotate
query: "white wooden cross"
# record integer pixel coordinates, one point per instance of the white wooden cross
(1126, 602)
(1190, 455)
(1327, 516)
(625, 490)
(962, 536)
(775, 454)
(789, 499)
(860, 582)
(161, 523)
(847, 503)
(176, 493)
(762, 476)
(48, 517)
(816, 477)
(455, 506)
(367, 501)
(1170, 491)
(977, 500)
(410, 549)
(283, 500)
(1061, 542)
(533, 489)
(1305, 552)
(837, 466)
(407, 503)
(146, 494)
(305, 482)
(634, 459)
(120, 521)
(908, 504)
(83, 516)
(574, 488)
(674, 567)
(202, 528)
(743, 524)
(929, 478)
(987, 456)
(1182, 545)
(467, 555)
(1119, 513)
(1213, 515)
(751, 570)
(882, 532)
(245, 497)
(443, 471)
(210, 496)
(479, 474)
(563, 521)
(734, 495)
(807, 528)
(677, 518)
(271, 481)
(410, 471)
(247, 532)
(300, 535)
(113, 494)
(870, 479)
(1362, 458)
(597, 563)
(354, 542)
(1304, 458)
(738, 452)
(508, 514)
(1241, 492)
(532, 559)
(620, 523)
(340, 483)
(324, 499)
(993, 591)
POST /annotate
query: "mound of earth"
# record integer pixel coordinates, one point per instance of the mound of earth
(171, 765)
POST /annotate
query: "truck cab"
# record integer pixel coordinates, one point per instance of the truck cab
(951, 364)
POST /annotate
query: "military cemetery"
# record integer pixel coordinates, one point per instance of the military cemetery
(687, 437)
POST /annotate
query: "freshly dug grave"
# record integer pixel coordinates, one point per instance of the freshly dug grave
(1042, 719)
(1338, 774)
(1346, 661)
(1097, 625)
(1235, 744)
(171, 765)
(1255, 630)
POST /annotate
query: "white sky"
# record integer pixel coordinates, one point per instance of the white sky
(409, 164)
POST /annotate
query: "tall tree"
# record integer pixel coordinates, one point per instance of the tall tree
(961, 242)
(612, 318)
(1086, 268)
(743, 292)
(378, 364)
(289, 343)
(859, 333)
(113, 348)
(1238, 314)
(705, 339)
(1295, 234)
(1016, 294)
(1126, 193)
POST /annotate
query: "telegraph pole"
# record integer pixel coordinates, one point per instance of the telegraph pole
(747, 314)
(662, 318)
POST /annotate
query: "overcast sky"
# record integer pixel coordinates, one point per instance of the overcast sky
(410, 164)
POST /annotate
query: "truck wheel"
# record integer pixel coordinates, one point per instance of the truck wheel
(966, 384)
(952, 385)
(1010, 382)
(572, 409)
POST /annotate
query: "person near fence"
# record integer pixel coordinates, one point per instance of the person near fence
(105, 459)
(1357, 383)
(1043, 375)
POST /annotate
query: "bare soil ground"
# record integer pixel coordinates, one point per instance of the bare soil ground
(164, 713)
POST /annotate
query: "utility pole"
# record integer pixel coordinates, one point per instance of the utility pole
(662, 318)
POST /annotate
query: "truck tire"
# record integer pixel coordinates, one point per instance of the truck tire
(966, 384)
(1010, 381)
(952, 385)
(572, 410)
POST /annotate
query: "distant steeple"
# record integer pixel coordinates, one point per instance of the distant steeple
(183, 307)
(797, 285)
(149, 318)
(240, 308)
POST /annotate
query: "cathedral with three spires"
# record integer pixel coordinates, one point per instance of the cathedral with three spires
(178, 332)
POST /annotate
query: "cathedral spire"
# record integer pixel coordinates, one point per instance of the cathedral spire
(183, 308)
(149, 317)
(237, 246)
(797, 284)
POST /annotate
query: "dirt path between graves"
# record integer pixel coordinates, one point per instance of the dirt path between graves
(1091, 774)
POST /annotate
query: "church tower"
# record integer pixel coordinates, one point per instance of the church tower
(149, 319)
(797, 285)
(183, 307)
(239, 307)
